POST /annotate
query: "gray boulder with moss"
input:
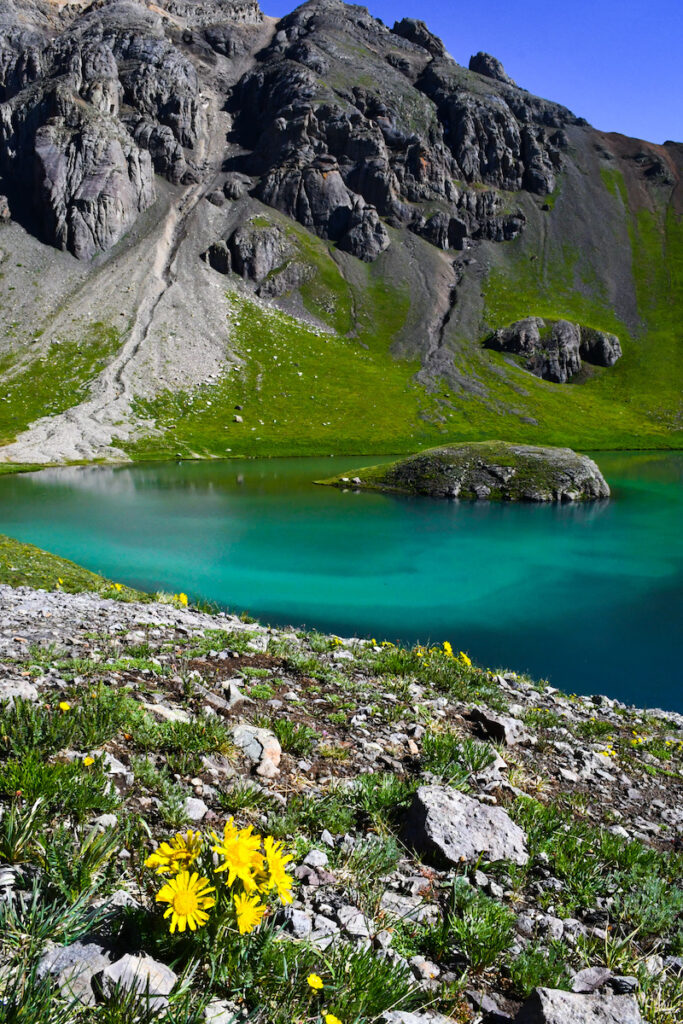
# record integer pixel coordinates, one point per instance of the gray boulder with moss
(495, 470)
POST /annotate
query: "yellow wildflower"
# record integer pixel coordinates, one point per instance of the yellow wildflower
(331, 1019)
(176, 855)
(277, 877)
(447, 649)
(118, 587)
(465, 660)
(240, 850)
(87, 761)
(188, 899)
(64, 705)
(249, 912)
(181, 599)
(315, 982)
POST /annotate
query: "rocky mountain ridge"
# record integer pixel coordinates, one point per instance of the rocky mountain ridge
(140, 138)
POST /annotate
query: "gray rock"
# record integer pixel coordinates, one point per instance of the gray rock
(591, 979)
(74, 968)
(194, 808)
(298, 923)
(10, 689)
(316, 859)
(220, 1011)
(405, 1017)
(553, 350)
(552, 1006)
(143, 974)
(623, 984)
(491, 469)
(490, 67)
(417, 32)
(354, 922)
(500, 728)
(410, 908)
(261, 747)
(450, 827)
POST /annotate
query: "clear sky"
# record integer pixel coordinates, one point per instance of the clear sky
(618, 63)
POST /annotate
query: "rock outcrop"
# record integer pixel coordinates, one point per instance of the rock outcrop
(553, 350)
(262, 254)
(487, 470)
(488, 66)
(552, 1006)
(448, 826)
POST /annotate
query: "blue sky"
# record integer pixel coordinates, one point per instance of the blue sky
(618, 64)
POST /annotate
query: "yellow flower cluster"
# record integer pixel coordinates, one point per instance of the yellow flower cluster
(180, 599)
(446, 651)
(250, 866)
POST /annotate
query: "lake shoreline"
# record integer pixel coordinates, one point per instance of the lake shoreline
(258, 535)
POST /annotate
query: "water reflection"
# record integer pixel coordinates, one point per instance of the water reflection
(553, 589)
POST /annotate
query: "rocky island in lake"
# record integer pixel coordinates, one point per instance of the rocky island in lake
(492, 470)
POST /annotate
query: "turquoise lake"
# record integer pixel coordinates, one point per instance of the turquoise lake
(588, 597)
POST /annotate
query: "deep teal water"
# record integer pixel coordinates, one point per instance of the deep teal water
(588, 597)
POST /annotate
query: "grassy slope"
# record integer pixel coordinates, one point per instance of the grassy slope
(640, 395)
(303, 392)
(55, 382)
(26, 565)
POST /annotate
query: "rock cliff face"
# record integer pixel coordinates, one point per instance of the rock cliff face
(94, 97)
(487, 470)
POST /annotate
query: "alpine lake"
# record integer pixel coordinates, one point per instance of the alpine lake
(586, 596)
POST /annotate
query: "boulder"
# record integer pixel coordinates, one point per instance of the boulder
(500, 728)
(450, 827)
(492, 470)
(553, 1006)
(74, 967)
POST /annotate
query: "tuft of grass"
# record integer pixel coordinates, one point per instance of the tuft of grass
(540, 966)
(454, 760)
(295, 738)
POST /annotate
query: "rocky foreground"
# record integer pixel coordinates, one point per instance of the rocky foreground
(493, 470)
(467, 845)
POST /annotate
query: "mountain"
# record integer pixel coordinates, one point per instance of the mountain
(224, 233)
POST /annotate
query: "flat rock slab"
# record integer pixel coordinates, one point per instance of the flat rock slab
(450, 827)
(552, 1006)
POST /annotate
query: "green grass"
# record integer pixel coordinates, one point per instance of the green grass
(25, 565)
(639, 397)
(302, 391)
(58, 379)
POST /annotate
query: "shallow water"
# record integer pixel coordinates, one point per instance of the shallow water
(588, 597)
